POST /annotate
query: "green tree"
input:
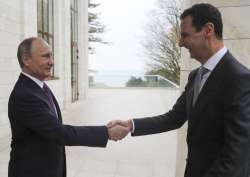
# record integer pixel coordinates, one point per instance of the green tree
(96, 27)
(135, 82)
(161, 43)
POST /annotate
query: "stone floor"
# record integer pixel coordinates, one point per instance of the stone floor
(145, 156)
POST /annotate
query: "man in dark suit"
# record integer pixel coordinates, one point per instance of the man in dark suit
(215, 102)
(38, 135)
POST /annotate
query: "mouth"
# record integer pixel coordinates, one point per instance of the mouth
(48, 69)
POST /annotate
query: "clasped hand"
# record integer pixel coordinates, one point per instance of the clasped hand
(118, 129)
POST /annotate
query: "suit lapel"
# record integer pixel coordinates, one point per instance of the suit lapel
(57, 108)
(214, 81)
(211, 89)
(190, 93)
(38, 90)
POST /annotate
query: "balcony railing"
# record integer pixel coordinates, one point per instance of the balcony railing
(97, 80)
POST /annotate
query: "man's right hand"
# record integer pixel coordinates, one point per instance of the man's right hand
(119, 129)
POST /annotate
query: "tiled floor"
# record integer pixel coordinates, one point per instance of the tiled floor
(146, 156)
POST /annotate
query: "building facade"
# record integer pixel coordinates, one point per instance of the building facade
(236, 35)
(63, 24)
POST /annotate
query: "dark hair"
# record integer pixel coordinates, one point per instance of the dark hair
(203, 13)
(24, 48)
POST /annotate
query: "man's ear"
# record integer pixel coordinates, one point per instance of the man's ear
(209, 29)
(26, 60)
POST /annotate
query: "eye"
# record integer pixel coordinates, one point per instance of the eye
(47, 55)
(184, 35)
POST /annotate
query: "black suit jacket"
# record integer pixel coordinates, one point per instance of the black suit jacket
(218, 135)
(38, 135)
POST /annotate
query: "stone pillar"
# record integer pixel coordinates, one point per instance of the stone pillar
(83, 48)
(236, 34)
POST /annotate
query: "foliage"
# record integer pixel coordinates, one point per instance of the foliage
(135, 82)
(161, 45)
(96, 27)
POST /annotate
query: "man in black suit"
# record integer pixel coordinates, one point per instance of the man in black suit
(38, 135)
(215, 102)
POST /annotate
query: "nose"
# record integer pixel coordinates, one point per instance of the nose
(51, 60)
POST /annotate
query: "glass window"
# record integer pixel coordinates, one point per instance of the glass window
(45, 21)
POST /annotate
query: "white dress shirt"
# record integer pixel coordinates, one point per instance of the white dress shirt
(37, 81)
(40, 84)
(211, 64)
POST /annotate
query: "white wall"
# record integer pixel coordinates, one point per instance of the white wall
(10, 34)
(18, 20)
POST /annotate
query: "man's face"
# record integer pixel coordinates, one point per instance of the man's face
(192, 40)
(40, 62)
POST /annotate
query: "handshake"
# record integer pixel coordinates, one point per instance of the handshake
(118, 129)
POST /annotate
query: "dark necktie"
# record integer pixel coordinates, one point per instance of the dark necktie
(50, 98)
(197, 83)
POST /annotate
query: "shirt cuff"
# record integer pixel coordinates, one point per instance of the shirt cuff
(133, 126)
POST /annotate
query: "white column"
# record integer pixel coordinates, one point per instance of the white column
(83, 48)
(65, 51)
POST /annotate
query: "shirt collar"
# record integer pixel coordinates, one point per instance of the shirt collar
(37, 81)
(214, 60)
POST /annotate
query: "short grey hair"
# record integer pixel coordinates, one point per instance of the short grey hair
(24, 48)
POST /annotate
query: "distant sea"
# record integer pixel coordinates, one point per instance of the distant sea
(114, 78)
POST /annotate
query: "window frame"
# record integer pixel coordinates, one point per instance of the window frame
(46, 23)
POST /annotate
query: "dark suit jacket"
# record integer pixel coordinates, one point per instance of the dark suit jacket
(218, 135)
(39, 137)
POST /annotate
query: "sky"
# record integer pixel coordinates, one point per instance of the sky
(125, 21)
